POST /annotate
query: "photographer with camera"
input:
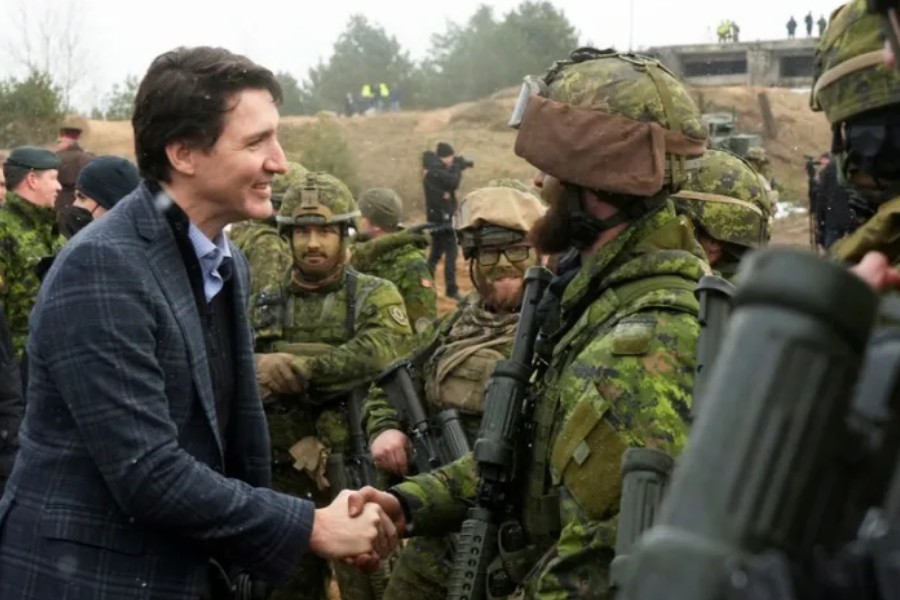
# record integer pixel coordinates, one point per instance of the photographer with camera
(442, 172)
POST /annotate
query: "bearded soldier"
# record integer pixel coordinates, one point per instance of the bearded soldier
(614, 134)
(386, 250)
(726, 200)
(458, 355)
(327, 331)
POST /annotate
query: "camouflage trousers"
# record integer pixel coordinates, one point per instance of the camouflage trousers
(422, 570)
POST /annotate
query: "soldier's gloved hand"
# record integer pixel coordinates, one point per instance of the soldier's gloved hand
(390, 451)
(281, 373)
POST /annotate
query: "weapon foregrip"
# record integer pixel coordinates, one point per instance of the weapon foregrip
(476, 547)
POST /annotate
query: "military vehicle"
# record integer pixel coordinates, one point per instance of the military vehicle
(723, 134)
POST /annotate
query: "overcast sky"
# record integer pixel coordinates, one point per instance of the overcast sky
(292, 35)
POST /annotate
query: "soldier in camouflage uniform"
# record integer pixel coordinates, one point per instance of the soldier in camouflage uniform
(325, 332)
(861, 98)
(387, 251)
(621, 369)
(463, 348)
(28, 233)
(268, 254)
(726, 201)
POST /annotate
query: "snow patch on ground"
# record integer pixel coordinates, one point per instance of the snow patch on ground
(786, 209)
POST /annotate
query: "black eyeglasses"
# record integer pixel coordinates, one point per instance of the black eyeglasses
(488, 257)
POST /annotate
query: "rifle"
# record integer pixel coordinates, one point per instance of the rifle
(354, 471)
(714, 295)
(812, 196)
(495, 454)
(436, 442)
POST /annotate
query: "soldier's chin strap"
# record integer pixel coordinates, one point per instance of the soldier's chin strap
(586, 227)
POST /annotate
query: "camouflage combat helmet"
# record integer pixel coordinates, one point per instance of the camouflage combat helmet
(850, 75)
(728, 200)
(757, 154)
(495, 216)
(381, 206)
(321, 199)
(295, 175)
(627, 107)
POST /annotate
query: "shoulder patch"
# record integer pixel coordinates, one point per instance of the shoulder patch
(398, 314)
(632, 337)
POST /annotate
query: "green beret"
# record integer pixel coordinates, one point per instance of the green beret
(32, 157)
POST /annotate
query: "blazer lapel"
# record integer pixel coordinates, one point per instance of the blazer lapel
(167, 265)
(246, 374)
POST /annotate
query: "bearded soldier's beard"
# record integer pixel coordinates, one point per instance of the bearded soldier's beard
(501, 289)
(552, 233)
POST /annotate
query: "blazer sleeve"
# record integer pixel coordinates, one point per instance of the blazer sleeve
(96, 331)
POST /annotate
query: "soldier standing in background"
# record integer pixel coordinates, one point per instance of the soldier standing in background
(727, 202)
(808, 19)
(386, 250)
(73, 158)
(28, 233)
(791, 27)
(327, 331)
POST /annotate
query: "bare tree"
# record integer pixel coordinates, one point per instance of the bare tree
(45, 36)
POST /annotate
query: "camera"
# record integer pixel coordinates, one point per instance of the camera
(462, 163)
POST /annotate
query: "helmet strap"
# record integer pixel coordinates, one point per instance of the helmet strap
(586, 228)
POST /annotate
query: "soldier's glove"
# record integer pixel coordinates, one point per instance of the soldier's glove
(281, 373)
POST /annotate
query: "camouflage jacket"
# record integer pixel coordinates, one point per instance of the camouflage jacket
(28, 233)
(620, 376)
(268, 254)
(462, 350)
(879, 233)
(295, 316)
(400, 258)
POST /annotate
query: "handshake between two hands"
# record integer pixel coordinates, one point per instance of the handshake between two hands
(360, 527)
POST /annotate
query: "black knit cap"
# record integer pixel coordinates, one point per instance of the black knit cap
(108, 179)
(444, 150)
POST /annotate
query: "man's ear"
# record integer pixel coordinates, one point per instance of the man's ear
(31, 179)
(182, 157)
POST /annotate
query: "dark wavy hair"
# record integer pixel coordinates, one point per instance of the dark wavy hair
(185, 96)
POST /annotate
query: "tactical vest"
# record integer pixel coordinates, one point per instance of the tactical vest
(280, 312)
(602, 317)
(460, 367)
